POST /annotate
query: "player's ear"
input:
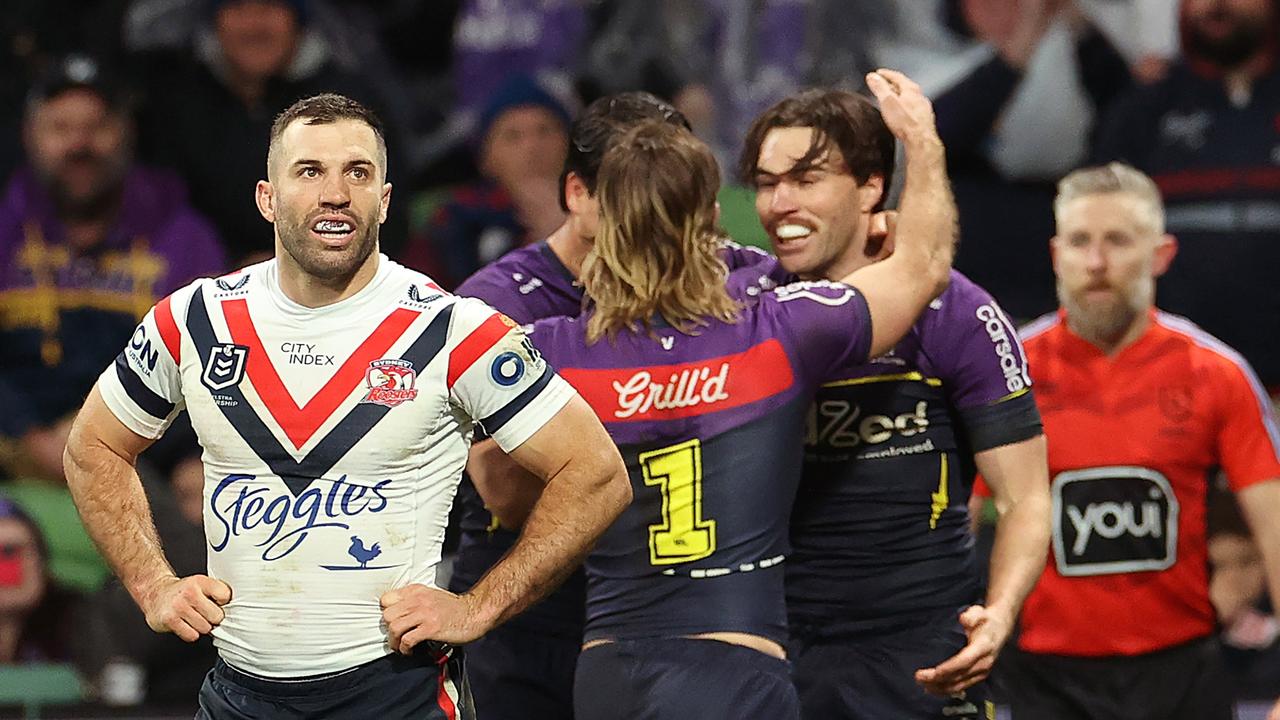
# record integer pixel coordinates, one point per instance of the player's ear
(265, 197)
(575, 193)
(384, 203)
(870, 193)
(1166, 250)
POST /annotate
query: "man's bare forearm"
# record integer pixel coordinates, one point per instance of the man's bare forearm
(579, 502)
(927, 219)
(115, 511)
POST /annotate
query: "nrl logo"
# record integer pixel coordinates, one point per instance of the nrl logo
(390, 382)
(225, 366)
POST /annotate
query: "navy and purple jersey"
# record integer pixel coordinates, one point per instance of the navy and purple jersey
(880, 528)
(526, 284)
(711, 428)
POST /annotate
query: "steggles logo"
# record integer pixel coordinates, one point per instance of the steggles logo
(687, 388)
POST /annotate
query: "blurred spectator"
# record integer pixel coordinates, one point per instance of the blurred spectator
(522, 141)
(209, 111)
(1209, 135)
(722, 62)
(1238, 589)
(88, 242)
(34, 620)
(1013, 123)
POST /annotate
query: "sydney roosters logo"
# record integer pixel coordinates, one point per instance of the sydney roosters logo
(390, 382)
(693, 386)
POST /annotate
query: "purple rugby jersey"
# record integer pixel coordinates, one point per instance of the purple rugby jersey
(711, 428)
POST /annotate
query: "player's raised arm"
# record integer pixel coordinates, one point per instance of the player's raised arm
(99, 464)
(898, 288)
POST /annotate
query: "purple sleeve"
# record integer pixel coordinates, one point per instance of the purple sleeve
(826, 326)
(974, 347)
(494, 286)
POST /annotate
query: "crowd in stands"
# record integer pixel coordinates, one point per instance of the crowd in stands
(132, 133)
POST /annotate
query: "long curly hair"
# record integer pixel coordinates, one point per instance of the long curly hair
(656, 251)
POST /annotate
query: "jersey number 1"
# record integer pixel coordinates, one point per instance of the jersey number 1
(683, 535)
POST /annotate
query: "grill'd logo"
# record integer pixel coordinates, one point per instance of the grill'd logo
(1113, 520)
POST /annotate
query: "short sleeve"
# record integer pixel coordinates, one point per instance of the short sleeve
(982, 365)
(827, 324)
(498, 377)
(143, 387)
(1248, 441)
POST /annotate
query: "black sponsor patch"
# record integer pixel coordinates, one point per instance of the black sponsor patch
(1113, 520)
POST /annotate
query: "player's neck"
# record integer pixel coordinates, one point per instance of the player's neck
(310, 291)
(569, 245)
(10, 633)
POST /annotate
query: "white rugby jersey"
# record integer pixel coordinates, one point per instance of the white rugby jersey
(334, 439)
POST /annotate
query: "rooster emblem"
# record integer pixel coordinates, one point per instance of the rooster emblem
(362, 554)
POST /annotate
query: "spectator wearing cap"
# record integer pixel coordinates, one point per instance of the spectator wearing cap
(522, 140)
(209, 110)
(89, 241)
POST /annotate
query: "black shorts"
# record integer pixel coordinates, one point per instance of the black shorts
(871, 675)
(519, 675)
(682, 679)
(1186, 682)
(395, 687)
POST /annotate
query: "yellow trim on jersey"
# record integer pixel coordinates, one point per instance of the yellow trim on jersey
(906, 377)
(1012, 395)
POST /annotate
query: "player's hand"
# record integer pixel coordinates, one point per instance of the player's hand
(904, 107)
(987, 632)
(415, 613)
(187, 607)
(1275, 712)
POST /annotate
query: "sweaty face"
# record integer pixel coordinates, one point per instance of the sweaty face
(1104, 257)
(78, 147)
(526, 141)
(328, 196)
(258, 37)
(816, 217)
(1227, 32)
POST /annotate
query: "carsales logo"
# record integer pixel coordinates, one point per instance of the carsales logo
(1015, 376)
(664, 392)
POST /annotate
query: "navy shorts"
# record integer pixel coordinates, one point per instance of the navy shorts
(1186, 682)
(680, 679)
(519, 675)
(871, 675)
(395, 687)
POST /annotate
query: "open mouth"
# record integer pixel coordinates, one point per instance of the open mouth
(333, 231)
(791, 233)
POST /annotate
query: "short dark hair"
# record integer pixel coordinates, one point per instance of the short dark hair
(848, 121)
(599, 127)
(324, 109)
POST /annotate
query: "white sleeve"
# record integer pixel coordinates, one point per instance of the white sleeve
(497, 376)
(143, 387)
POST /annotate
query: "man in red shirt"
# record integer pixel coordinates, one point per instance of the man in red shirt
(1140, 407)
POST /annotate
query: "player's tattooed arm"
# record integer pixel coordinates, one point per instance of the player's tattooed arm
(1018, 475)
(586, 488)
(99, 464)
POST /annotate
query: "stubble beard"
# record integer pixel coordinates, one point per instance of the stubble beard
(330, 266)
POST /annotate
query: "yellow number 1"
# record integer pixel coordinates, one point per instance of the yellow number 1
(683, 535)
